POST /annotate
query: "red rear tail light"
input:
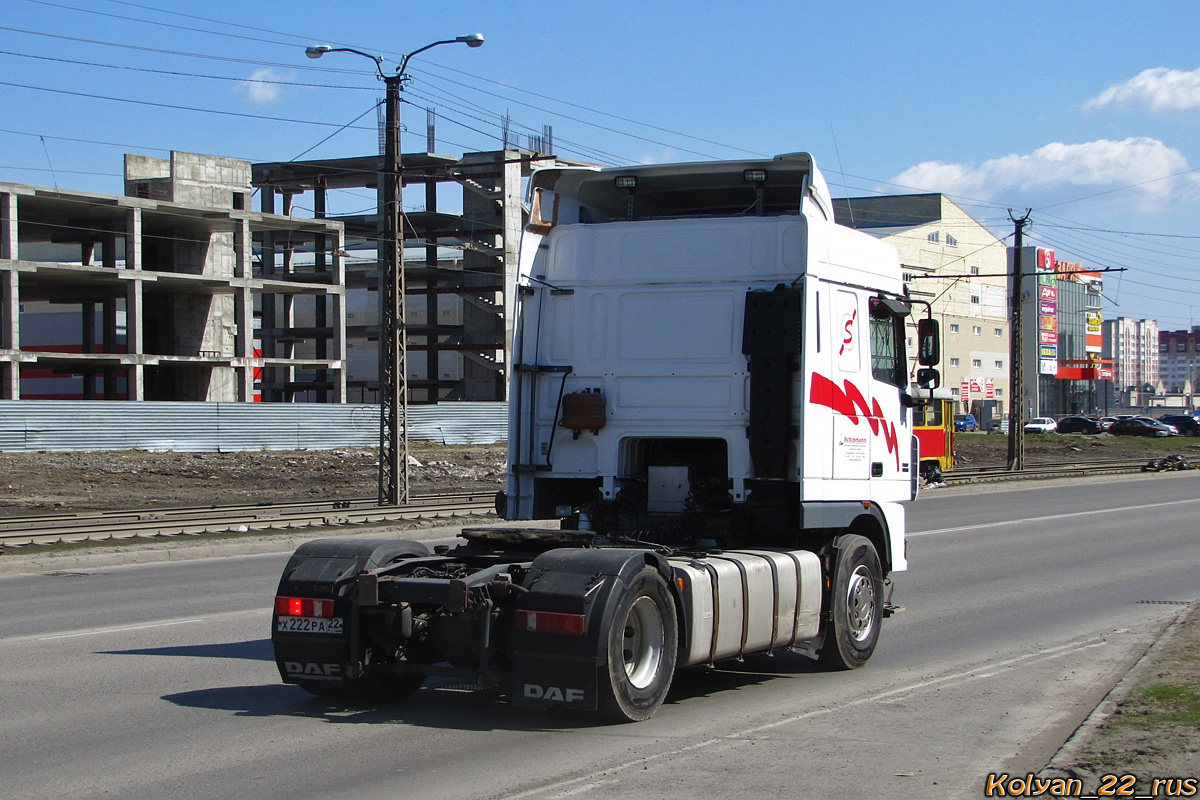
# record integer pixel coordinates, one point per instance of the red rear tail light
(550, 622)
(303, 607)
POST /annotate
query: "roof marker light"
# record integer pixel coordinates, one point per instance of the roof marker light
(626, 182)
(754, 175)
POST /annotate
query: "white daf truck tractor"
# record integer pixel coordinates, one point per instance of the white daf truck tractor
(710, 390)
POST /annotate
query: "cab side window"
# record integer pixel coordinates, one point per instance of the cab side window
(887, 352)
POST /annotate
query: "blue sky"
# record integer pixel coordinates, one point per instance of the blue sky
(1086, 112)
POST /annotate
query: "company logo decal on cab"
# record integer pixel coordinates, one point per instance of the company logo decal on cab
(849, 401)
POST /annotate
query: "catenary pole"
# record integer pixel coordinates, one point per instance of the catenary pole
(393, 386)
(1016, 383)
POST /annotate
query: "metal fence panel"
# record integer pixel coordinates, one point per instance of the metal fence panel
(69, 425)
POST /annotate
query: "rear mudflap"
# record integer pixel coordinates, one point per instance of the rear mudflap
(547, 682)
(312, 660)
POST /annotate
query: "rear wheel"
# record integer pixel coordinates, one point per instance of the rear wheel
(856, 604)
(642, 644)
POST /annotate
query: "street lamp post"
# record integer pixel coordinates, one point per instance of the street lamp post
(393, 382)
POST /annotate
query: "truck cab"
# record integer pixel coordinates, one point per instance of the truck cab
(709, 390)
(702, 343)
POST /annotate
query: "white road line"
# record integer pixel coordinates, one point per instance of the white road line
(1049, 517)
(118, 629)
(584, 782)
(49, 637)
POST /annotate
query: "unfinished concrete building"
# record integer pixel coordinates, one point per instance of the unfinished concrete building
(153, 295)
(460, 268)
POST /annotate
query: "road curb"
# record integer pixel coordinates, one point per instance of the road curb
(1068, 754)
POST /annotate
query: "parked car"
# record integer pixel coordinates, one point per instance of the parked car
(1187, 426)
(1079, 425)
(1041, 425)
(965, 422)
(1106, 421)
(1140, 426)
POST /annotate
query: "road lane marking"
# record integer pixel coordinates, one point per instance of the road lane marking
(49, 637)
(582, 782)
(118, 629)
(1049, 517)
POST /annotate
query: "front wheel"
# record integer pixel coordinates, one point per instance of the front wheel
(856, 604)
(642, 644)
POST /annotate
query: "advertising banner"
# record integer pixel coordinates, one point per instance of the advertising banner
(976, 386)
(1093, 338)
(1047, 324)
(1045, 260)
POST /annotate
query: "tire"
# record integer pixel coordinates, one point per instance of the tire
(856, 604)
(642, 644)
(1189, 433)
(373, 689)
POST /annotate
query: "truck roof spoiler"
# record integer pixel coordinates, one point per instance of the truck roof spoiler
(700, 188)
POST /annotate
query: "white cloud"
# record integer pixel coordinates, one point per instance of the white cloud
(1157, 89)
(259, 89)
(1091, 165)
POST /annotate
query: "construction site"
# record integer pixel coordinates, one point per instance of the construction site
(178, 290)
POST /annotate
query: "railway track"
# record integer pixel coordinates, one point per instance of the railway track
(1034, 471)
(199, 520)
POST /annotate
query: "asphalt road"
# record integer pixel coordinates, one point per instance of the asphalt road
(1024, 603)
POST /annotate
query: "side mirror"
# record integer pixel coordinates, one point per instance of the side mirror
(929, 344)
(929, 378)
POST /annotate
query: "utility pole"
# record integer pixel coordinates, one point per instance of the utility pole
(393, 389)
(1016, 384)
(393, 341)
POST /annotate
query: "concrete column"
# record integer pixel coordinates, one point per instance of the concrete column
(10, 298)
(89, 346)
(244, 316)
(109, 339)
(10, 333)
(243, 250)
(338, 342)
(432, 354)
(267, 332)
(135, 344)
(8, 225)
(514, 224)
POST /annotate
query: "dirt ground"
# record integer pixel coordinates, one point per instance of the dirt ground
(43, 483)
(983, 449)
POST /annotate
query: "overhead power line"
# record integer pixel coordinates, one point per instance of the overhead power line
(179, 74)
(241, 114)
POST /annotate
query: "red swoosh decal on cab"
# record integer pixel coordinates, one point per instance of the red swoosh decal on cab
(849, 401)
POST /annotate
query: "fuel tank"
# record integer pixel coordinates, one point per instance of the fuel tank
(746, 601)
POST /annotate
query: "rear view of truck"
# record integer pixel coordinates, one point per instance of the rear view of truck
(709, 391)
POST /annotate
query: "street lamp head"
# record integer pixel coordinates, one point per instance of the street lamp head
(470, 39)
(316, 51)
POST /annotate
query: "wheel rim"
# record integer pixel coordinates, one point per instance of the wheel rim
(643, 640)
(860, 604)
